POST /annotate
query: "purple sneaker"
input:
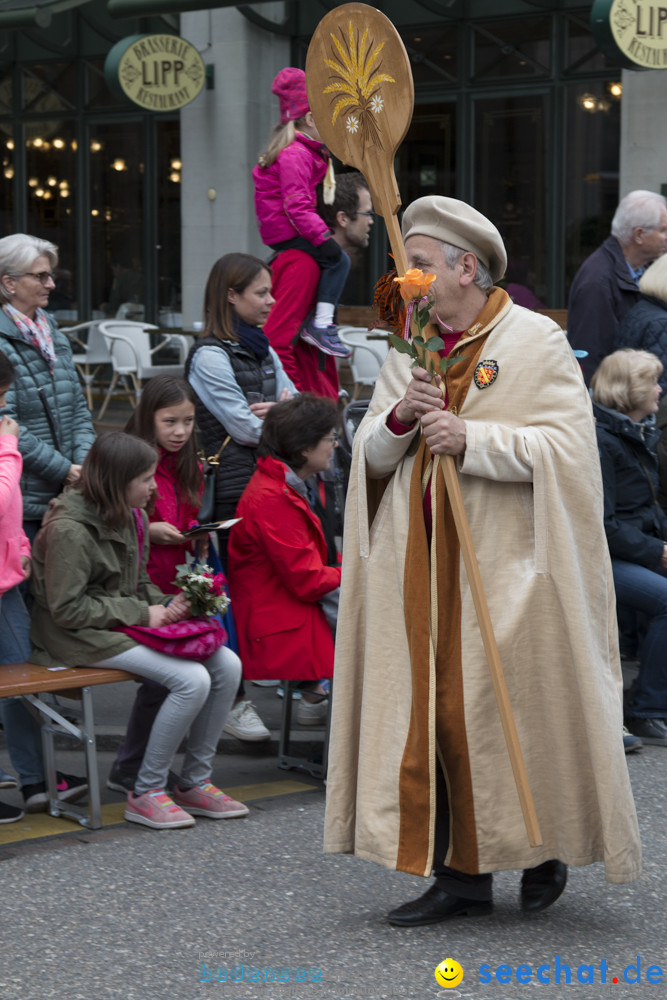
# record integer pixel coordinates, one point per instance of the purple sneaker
(325, 340)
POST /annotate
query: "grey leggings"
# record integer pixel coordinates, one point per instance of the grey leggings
(200, 697)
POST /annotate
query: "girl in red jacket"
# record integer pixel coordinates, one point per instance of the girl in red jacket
(286, 179)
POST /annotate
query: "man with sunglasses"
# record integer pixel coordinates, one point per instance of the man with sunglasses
(295, 278)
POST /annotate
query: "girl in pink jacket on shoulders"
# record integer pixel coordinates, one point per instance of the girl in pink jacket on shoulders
(286, 178)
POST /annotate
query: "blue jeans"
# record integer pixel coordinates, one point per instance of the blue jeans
(645, 590)
(22, 731)
(334, 272)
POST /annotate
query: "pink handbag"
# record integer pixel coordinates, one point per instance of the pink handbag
(192, 639)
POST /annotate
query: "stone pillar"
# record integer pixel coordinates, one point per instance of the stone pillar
(643, 131)
(222, 132)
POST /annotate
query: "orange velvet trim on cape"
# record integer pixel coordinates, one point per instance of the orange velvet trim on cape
(417, 774)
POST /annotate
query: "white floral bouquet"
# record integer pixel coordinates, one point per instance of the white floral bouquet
(204, 589)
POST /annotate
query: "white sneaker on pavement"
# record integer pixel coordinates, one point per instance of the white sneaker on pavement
(312, 713)
(244, 723)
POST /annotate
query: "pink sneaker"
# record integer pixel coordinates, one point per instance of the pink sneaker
(157, 810)
(207, 800)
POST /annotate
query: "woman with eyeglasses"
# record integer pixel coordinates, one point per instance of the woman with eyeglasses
(45, 399)
(284, 592)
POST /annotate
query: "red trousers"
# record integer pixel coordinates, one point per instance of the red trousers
(295, 280)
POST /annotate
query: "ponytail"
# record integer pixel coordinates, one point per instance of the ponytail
(281, 137)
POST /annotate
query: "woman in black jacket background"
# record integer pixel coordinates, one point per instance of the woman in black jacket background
(626, 393)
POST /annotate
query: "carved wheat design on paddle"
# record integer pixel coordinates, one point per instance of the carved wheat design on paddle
(355, 86)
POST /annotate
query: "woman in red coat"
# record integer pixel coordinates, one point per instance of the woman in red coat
(278, 572)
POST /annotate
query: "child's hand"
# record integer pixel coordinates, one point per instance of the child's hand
(158, 615)
(27, 566)
(179, 608)
(73, 475)
(202, 547)
(163, 533)
(9, 426)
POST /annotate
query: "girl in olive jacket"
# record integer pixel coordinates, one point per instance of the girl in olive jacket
(89, 578)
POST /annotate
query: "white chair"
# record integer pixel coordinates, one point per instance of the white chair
(132, 356)
(131, 310)
(94, 353)
(368, 354)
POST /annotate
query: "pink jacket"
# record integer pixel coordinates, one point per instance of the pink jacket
(170, 506)
(285, 199)
(13, 541)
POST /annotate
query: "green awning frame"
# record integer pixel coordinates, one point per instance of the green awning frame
(39, 13)
(144, 8)
(31, 14)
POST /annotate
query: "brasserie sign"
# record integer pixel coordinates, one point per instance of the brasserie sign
(157, 72)
(632, 32)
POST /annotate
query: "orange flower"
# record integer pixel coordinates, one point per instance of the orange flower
(414, 284)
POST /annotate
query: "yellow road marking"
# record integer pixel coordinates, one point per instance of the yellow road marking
(36, 825)
(268, 790)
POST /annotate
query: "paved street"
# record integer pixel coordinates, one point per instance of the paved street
(127, 912)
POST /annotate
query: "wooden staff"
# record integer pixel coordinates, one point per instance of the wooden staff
(361, 94)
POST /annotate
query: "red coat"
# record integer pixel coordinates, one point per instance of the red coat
(277, 574)
(172, 507)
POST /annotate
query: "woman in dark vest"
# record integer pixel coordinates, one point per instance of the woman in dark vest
(237, 377)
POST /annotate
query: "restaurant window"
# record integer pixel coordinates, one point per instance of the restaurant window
(591, 168)
(49, 87)
(433, 54)
(117, 219)
(168, 193)
(510, 183)
(98, 94)
(512, 48)
(425, 162)
(50, 160)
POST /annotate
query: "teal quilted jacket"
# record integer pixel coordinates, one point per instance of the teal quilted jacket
(48, 447)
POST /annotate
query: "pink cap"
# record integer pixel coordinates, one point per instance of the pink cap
(290, 89)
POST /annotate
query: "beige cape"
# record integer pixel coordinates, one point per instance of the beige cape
(532, 490)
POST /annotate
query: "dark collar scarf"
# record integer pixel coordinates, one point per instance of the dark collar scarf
(252, 338)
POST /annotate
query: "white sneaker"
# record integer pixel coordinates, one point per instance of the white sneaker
(312, 713)
(244, 723)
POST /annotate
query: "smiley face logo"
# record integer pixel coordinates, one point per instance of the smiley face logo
(449, 973)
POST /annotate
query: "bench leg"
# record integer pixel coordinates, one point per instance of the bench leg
(92, 772)
(285, 760)
(90, 816)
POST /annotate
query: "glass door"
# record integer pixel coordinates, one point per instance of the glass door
(510, 186)
(116, 186)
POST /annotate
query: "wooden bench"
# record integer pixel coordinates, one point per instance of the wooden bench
(30, 681)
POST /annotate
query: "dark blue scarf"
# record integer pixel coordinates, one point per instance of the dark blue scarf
(252, 338)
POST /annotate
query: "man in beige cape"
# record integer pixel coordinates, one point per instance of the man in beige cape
(420, 778)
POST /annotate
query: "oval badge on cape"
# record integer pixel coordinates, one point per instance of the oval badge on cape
(486, 373)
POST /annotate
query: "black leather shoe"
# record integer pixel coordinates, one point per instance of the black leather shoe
(651, 730)
(541, 886)
(436, 905)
